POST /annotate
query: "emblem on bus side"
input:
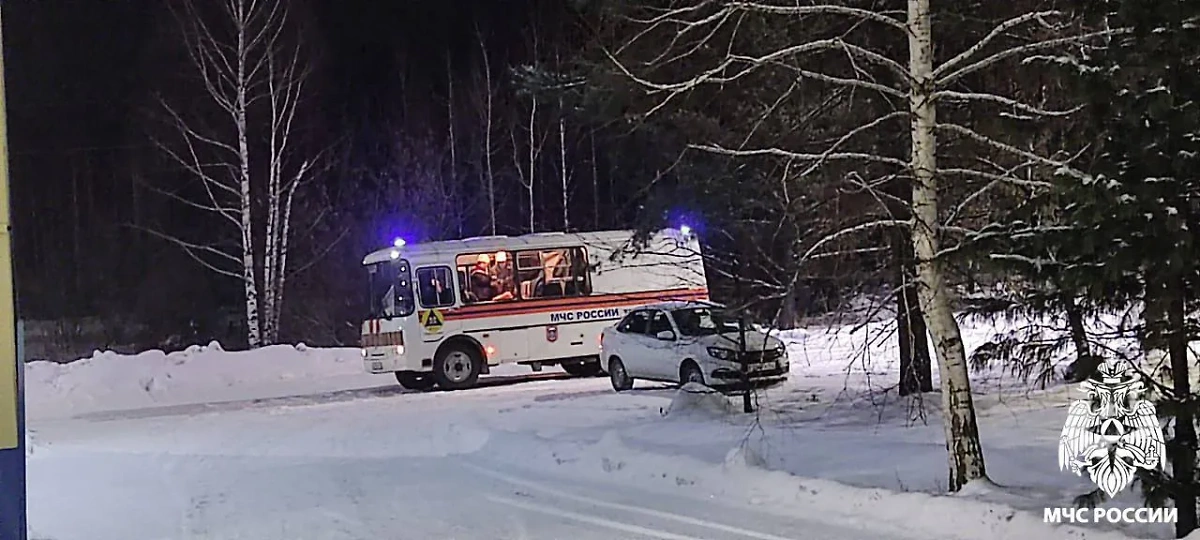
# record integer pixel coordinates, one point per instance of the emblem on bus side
(431, 321)
(551, 334)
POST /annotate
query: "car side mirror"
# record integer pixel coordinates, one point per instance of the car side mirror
(666, 335)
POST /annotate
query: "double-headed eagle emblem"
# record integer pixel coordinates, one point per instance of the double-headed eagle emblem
(1113, 432)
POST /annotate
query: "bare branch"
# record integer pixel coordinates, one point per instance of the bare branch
(996, 179)
(945, 81)
(193, 250)
(980, 96)
(320, 254)
(688, 27)
(779, 152)
(1059, 166)
(1001, 178)
(753, 63)
(850, 135)
(820, 9)
(855, 83)
(996, 32)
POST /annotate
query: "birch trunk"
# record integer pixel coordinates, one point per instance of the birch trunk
(281, 267)
(249, 268)
(487, 135)
(532, 161)
(564, 173)
(961, 429)
(458, 211)
(595, 184)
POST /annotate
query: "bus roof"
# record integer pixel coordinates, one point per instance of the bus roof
(547, 240)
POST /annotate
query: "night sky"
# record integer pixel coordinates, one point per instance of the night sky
(76, 67)
(84, 79)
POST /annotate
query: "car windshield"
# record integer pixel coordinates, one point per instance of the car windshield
(703, 321)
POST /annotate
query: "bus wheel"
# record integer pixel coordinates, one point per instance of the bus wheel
(457, 367)
(621, 381)
(582, 369)
(414, 380)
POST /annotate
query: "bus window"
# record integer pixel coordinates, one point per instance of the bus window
(553, 273)
(435, 286)
(489, 277)
(390, 290)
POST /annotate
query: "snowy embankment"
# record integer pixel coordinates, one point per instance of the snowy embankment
(108, 381)
(835, 443)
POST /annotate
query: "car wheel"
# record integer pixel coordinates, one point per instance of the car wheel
(621, 381)
(414, 380)
(690, 372)
(457, 367)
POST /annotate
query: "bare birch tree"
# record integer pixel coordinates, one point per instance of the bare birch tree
(527, 171)
(489, 92)
(245, 159)
(452, 142)
(914, 86)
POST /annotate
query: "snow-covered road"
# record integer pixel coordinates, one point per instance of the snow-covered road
(494, 463)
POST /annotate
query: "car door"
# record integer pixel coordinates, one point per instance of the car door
(660, 353)
(632, 341)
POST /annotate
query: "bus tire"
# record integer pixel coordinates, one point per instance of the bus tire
(621, 381)
(415, 380)
(582, 369)
(457, 366)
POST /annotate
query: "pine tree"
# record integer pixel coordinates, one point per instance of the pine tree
(1143, 88)
(1124, 238)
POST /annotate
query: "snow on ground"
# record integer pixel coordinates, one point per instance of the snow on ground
(302, 444)
(109, 382)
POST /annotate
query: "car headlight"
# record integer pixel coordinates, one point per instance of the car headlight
(721, 353)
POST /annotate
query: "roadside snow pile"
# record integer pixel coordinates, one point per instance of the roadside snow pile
(741, 478)
(696, 399)
(201, 374)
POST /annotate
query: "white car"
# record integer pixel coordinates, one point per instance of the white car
(689, 342)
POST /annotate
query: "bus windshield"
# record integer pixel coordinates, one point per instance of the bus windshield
(390, 290)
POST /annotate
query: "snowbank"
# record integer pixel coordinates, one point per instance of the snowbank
(741, 478)
(201, 374)
(695, 399)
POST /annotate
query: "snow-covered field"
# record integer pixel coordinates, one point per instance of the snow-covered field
(297, 443)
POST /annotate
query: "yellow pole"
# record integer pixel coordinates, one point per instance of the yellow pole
(9, 435)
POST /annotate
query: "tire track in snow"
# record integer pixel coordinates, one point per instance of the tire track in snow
(624, 507)
(592, 520)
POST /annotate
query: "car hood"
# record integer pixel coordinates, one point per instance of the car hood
(755, 341)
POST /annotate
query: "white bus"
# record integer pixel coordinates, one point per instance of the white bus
(443, 313)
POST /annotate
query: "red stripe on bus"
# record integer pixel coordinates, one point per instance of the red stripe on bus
(492, 307)
(590, 302)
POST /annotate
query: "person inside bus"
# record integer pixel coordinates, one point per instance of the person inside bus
(480, 280)
(484, 286)
(434, 292)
